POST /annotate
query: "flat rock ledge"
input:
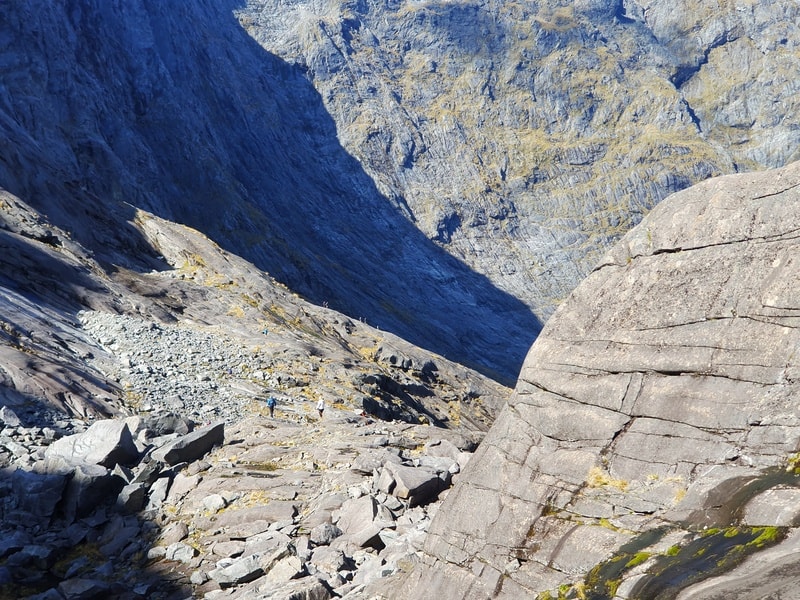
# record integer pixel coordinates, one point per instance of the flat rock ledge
(158, 507)
(655, 421)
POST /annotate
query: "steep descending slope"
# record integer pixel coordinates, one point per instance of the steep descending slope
(524, 137)
(176, 110)
(202, 329)
(653, 433)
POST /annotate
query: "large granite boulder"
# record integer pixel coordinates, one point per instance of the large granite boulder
(655, 417)
(106, 443)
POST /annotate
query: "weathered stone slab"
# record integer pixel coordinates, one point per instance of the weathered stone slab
(229, 549)
(272, 512)
(308, 588)
(180, 552)
(78, 588)
(132, 497)
(356, 514)
(324, 533)
(329, 560)
(158, 493)
(415, 484)
(775, 507)
(8, 417)
(237, 571)
(38, 493)
(105, 443)
(191, 446)
(442, 448)
(287, 568)
(89, 486)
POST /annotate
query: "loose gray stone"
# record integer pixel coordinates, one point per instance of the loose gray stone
(8, 417)
(158, 493)
(415, 484)
(355, 514)
(174, 532)
(38, 493)
(287, 568)
(329, 560)
(191, 446)
(238, 571)
(105, 443)
(229, 549)
(214, 503)
(80, 588)
(180, 552)
(132, 497)
(307, 588)
(324, 533)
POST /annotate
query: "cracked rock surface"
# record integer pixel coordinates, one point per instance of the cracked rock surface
(658, 407)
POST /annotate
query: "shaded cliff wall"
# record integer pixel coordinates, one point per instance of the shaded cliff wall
(526, 137)
(105, 107)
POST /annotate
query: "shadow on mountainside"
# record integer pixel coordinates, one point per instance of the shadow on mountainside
(42, 356)
(182, 113)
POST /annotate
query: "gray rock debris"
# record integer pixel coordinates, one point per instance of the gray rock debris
(226, 528)
(71, 497)
(192, 446)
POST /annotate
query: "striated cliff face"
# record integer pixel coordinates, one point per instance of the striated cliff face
(525, 137)
(106, 108)
(655, 418)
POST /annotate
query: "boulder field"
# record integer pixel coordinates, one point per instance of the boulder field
(650, 449)
(158, 507)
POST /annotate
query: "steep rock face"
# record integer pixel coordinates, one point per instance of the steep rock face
(659, 401)
(526, 137)
(104, 108)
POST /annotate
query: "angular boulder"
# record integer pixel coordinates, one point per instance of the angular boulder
(106, 443)
(417, 485)
(89, 486)
(191, 446)
(238, 571)
(36, 493)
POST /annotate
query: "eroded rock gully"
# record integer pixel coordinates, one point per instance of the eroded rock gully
(662, 391)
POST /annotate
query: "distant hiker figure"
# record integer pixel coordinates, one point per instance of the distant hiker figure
(321, 407)
(271, 405)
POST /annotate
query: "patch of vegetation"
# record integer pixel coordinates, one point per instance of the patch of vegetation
(708, 555)
(637, 559)
(236, 311)
(597, 477)
(261, 466)
(793, 464)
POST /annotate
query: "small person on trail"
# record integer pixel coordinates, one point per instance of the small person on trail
(321, 407)
(271, 405)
